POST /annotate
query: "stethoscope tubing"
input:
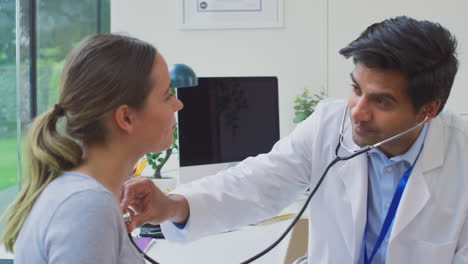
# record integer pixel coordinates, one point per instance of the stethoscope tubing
(148, 258)
(338, 158)
(309, 198)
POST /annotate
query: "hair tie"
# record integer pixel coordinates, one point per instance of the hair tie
(59, 110)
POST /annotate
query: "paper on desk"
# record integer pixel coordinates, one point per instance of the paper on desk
(275, 219)
(143, 243)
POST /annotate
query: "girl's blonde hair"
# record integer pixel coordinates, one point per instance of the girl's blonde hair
(103, 72)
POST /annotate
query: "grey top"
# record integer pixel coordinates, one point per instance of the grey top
(75, 220)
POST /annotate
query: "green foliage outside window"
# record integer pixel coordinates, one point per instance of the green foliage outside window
(60, 26)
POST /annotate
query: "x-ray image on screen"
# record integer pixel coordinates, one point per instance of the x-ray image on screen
(227, 119)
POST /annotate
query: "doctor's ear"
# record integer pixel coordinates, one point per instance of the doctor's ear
(430, 109)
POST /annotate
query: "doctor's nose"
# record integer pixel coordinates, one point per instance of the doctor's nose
(360, 111)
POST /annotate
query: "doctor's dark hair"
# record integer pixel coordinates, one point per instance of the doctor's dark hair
(423, 51)
(103, 72)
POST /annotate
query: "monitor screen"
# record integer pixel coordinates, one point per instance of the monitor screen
(227, 119)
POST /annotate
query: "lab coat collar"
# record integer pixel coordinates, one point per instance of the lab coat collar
(433, 153)
(417, 194)
(354, 174)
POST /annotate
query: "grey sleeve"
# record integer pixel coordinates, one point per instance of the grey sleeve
(85, 229)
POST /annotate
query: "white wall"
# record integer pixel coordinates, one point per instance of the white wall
(295, 53)
(349, 18)
(304, 53)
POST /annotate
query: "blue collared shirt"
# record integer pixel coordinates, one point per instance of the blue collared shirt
(384, 176)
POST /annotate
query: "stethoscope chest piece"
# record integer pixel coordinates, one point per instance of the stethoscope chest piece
(127, 216)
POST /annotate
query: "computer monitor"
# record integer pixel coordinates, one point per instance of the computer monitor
(227, 119)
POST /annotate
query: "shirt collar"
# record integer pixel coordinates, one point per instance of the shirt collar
(409, 156)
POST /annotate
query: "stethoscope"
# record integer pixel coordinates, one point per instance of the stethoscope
(127, 218)
(338, 157)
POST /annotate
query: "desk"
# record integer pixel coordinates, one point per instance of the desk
(234, 246)
(229, 247)
(239, 245)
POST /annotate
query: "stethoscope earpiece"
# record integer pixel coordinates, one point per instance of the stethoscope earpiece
(367, 148)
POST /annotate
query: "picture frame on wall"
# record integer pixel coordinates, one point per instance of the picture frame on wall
(218, 14)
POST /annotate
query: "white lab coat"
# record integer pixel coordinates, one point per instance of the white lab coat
(431, 222)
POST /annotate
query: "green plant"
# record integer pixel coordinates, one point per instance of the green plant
(158, 160)
(304, 105)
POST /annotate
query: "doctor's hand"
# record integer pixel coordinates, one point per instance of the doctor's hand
(150, 205)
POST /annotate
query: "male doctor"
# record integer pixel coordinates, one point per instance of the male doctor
(404, 70)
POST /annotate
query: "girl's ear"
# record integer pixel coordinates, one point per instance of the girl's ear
(124, 118)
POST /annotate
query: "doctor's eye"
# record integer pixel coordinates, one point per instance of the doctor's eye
(383, 102)
(356, 89)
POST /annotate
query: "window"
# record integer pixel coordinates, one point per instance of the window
(30, 69)
(8, 105)
(60, 26)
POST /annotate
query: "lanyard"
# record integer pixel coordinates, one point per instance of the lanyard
(389, 218)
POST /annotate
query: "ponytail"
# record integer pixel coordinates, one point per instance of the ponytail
(49, 154)
(103, 72)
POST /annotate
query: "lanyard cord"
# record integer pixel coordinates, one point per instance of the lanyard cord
(296, 218)
(390, 214)
(388, 219)
(152, 261)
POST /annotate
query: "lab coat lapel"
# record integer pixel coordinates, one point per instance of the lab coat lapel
(353, 173)
(416, 193)
(415, 197)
